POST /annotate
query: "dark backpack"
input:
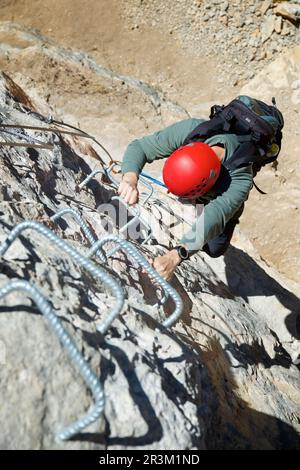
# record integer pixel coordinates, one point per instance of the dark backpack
(257, 125)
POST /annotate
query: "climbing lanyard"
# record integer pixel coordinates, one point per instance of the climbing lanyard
(28, 145)
(31, 141)
(159, 183)
(78, 133)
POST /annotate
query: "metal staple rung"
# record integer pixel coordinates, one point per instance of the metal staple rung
(104, 171)
(77, 216)
(135, 212)
(89, 177)
(96, 271)
(167, 208)
(141, 260)
(142, 180)
(78, 360)
(102, 255)
(146, 183)
(107, 172)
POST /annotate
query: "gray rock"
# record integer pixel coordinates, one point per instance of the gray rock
(253, 42)
(267, 28)
(224, 6)
(278, 25)
(286, 29)
(289, 10)
(224, 377)
(265, 6)
(239, 21)
(133, 357)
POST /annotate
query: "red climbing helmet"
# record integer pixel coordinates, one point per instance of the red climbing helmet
(191, 170)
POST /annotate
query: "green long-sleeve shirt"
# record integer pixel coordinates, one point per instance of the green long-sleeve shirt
(221, 202)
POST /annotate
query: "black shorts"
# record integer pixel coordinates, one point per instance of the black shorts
(219, 245)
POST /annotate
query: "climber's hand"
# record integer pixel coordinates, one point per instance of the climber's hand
(166, 264)
(128, 188)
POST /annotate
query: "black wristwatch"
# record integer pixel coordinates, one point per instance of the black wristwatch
(182, 252)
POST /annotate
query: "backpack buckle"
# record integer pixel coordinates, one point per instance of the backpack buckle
(228, 118)
(229, 115)
(256, 136)
(215, 109)
(261, 151)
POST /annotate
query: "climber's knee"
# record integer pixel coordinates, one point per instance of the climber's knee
(214, 251)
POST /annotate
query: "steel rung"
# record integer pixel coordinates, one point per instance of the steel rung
(97, 272)
(126, 246)
(89, 377)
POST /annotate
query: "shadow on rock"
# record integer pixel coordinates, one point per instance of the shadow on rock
(231, 423)
(139, 396)
(171, 385)
(246, 279)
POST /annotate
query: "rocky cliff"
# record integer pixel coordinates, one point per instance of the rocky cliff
(98, 91)
(224, 376)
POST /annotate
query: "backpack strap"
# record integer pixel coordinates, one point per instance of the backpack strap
(258, 189)
(245, 154)
(206, 129)
(215, 109)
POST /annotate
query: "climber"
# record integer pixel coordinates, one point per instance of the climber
(206, 166)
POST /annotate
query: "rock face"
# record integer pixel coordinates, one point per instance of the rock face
(149, 376)
(224, 377)
(272, 220)
(243, 35)
(289, 10)
(116, 109)
(72, 81)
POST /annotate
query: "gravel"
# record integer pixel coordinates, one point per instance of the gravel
(228, 30)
